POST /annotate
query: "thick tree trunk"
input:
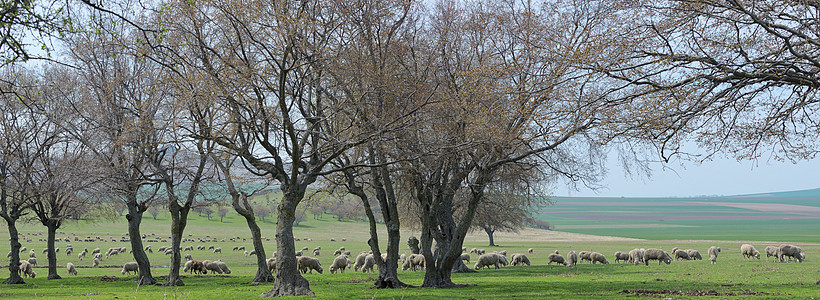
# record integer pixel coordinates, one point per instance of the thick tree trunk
(179, 216)
(490, 235)
(134, 218)
(383, 185)
(262, 272)
(288, 280)
(14, 261)
(52, 255)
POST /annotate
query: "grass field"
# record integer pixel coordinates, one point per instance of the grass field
(732, 277)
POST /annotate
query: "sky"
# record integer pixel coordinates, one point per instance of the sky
(723, 177)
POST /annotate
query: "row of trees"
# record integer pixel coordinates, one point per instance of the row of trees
(431, 116)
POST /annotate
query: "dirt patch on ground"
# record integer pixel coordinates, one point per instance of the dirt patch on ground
(540, 235)
(664, 293)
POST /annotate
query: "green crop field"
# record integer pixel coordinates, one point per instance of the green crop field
(731, 277)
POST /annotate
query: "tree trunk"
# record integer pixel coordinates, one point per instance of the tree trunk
(52, 255)
(14, 261)
(383, 185)
(179, 216)
(262, 272)
(134, 217)
(288, 280)
(490, 235)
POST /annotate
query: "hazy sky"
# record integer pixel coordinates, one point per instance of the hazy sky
(717, 177)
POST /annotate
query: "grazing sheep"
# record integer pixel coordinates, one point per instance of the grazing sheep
(32, 254)
(130, 267)
(480, 252)
(656, 254)
(212, 266)
(211, 247)
(359, 262)
(271, 264)
(299, 253)
(584, 255)
(502, 260)
(369, 262)
(170, 251)
(235, 248)
(337, 253)
(24, 249)
(713, 254)
(96, 262)
(487, 260)
(466, 257)
(474, 250)
(554, 258)
(414, 262)
(81, 256)
(504, 253)
(791, 251)
(636, 256)
(572, 258)
(56, 250)
(32, 261)
(680, 254)
(339, 263)
(26, 269)
(68, 251)
(346, 253)
(772, 251)
(97, 250)
(598, 257)
(749, 251)
(241, 248)
(307, 264)
(44, 250)
(224, 267)
(197, 267)
(71, 269)
(694, 254)
(316, 252)
(520, 259)
(189, 248)
(253, 252)
(621, 256)
(403, 258)
(529, 251)
(188, 256)
(217, 250)
(305, 249)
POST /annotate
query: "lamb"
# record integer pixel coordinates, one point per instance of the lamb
(520, 259)
(339, 263)
(598, 257)
(572, 258)
(636, 256)
(656, 254)
(466, 257)
(359, 261)
(217, 250)
(224, 267)
(129, 267)
(529, 251)
(713, 253)
(694, 254)
(621, 256)
(71, 269)
(554, 258)
(26, 269)
(487, 260)
(584, 255)
(32, 261)
(369, 262)
(680, 254)
(307, 264)
(792, 252)
(749, 251)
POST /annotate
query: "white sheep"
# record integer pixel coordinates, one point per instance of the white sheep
(749, 251)
(791, 251)
(271, 262)
(487, 260)
(130, 267)
(464, 257)
(369, 262)
(337, 253)
(474, 250)
(212, 266)
(252, 253)
(339, 264)
(713, 254)
(96, 262)
(32, 261)
(556, 258)
(598, 257)
(32, 254)
(71, 269)
(246, 253)
(680, 254)
(26, 269)
(572, 258)
(694, 254)
(772, 251)
(359, 261)
(307, 264)
(217, 250)
(316, 252)
(520, 259)
(529, 251)
(223, 267)
(584, 255)
(636, 256)
(621, 256)
(414, 262)
(656, 254)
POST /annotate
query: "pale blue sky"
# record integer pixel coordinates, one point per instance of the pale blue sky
(718, 177)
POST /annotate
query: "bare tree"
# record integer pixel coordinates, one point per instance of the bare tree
(154, 211)
(222, 211)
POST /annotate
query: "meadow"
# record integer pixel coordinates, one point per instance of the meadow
(732, 277)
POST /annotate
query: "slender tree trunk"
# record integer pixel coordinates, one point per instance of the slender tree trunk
(52, 255)
(288, 280)
(178, 222)
(262, 272)
(134, 217)
(490, 232)
(383, 185)
(14, 261)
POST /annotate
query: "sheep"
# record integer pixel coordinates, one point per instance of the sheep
(572, 258)
(414, 262)
(235, 248)
(197, 267)
(474, 250)
(97, 250)
(217, 250)
(584, 255)
(680, 254)
(749, 251)
(26, 269)
(466, 257)
(369, 262)
(520, 259)
(188, 256)
(212, 266)
(130, 267)
(656, 254)
(68, 251)
(253, 252)
(24, 249)
(791, 251)
(621, 256)
(245, 253)
(80, 256)
(305, 249)
(359, 261)
(481, 251)
(694, 254)
(44, 250)
(96, 262)
(170, 251)
(56, 250)
(316, 252)
(224, 267)
(271, 262)
(211, 247)
(636, 256)
(529, 251)
(339, 263)
(504, 253)
(598, 257)
(32, 254)
(713, 254)
(487, 260)
(403, 258)
(32, 261)
(189, 248)
(299, 253)
(346, 253)
(307, 264)
(241, 248)
(337, 253)
(71, 269)
(555, 258)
